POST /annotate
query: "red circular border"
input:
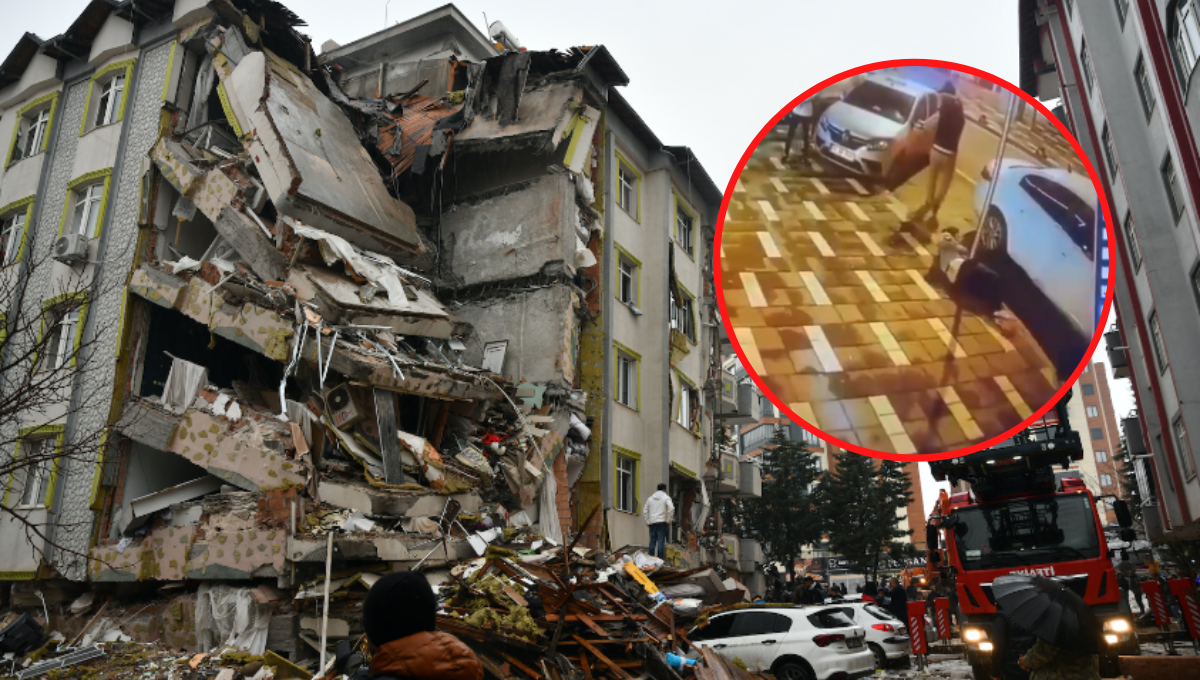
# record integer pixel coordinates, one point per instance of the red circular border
(894, 63)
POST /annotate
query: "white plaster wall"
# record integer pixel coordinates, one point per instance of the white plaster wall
(115, 38)
(21, 549)
(41, 75)
(98, 148)
(187, 11)
(627, 528)
(21, 180)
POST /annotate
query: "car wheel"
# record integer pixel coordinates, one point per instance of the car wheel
(881, 660)
(993, 236)
(791, 670)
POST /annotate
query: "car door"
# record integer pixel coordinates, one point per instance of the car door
(756, 638)
(925, 125)
(1066, 223)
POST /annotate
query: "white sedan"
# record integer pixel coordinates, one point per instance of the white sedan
(1046, 221)
(794, 643)
(887, 636)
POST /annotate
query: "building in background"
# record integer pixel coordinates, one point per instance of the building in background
(1124, 74)
(1102, 433)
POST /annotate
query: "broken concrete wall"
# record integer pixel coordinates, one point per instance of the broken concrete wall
(541, 330)
(524, 230)
(249, 453)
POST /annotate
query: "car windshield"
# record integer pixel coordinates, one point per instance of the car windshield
(1072, 214)
(881, 100)
(830, 618)
(1026, 533)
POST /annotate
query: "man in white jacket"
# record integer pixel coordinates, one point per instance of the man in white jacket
(658, 512)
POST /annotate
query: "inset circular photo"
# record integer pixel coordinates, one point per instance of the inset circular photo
(912, 260)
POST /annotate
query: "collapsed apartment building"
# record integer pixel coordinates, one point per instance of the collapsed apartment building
(391, 298)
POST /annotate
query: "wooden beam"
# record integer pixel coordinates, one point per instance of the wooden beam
(604, 659)
(524, 669)
(389, 437)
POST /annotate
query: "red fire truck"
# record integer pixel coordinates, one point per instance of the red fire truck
(1016, 516)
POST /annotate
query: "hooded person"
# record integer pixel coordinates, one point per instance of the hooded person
(400, 619)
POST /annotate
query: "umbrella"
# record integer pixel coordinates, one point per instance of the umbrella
(1049, 610)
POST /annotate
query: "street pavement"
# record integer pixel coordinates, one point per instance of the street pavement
(841, 323)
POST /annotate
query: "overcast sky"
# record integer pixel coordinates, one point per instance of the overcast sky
(704, 75)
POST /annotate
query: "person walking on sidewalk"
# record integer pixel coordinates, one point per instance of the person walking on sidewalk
(658, 512)
(943, 158)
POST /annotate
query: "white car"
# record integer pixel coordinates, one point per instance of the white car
(794, 643)
(882, 124)
(1045, 220)
(887, 637)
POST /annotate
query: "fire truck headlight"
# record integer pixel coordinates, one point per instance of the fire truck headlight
(973, 635)
(1117, 625)
(1110, 638)
(985, 646)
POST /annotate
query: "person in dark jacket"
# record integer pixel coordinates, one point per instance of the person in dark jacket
(810, 592)
(400, 619)
(897, 600)
(1009, 643)
(943, 158)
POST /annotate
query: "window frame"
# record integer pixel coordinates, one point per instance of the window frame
(620, 455)
(1122, 7)
(1182, 40)
(627, 168)
(1110, 152)
(1088, 389)
(1089, 71)
(1174, 198)
(1135, 248)
(1094, 431)
(84, 183)
(73, 304)
(688, 387)
(681, 207)
(54, 433)
(1195, 281)
(1101, 456)
(625, 354)
(624, 256)
(1159, 345)
(15, 252)
(1141, 78)
(1092, 411)
(1183, 448)
(1105, 476)
(100, 79)
(685, 312)
(47, 102)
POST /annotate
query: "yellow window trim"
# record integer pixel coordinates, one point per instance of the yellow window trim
(683, 380)
(622, 161)
(637, 275)
(170, 68)
(637, 478)
(677, 203)
(92, 176)
(29, 432)
(683, 471)
(48, 306)
(100, 457)
(53, 99)
(637, 371)
(3, 330)
(233, 121)
(575, 131)
(121, 324)
(695, 312)
(87, 103)
(12, 207)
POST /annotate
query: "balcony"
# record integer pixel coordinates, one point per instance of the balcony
(1135, 443)
(729, 475)
(749, 480)
(750, 557)
(738, 404)
(733, 550)
(1118, 355)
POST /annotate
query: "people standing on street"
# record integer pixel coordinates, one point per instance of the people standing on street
(1136, 587)
(1009, 643)
(943, 158)
(809, 592)
(911, 591)
(897, 600)
(1123, 585)
(801, 117)
(658, 512)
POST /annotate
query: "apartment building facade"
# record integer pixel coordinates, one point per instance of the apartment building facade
(1122, 70)
(1102, 434)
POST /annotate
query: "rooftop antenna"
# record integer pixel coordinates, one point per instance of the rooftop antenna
(385, 12)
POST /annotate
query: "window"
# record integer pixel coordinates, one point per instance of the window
(1145, 93)
(689, 408)
(1184, 449)
(32, 133)
(683, 315)
(1185, 38)
(884, 101)
(1097, 433)
(627, 484)
(11, 229)
(1086, 58)
(684, 232)
(758, 437)
(1089, 389)
(1160, 350)
(830, 618)
(718, 627)
(1070, 7)
(627, 284)
(627, 380)
(1093, 412)
(1072, 214)
(108, 107)
(1087, 369)
(1135, 250)
(1122, 10)
(627, 190)
(762, 623)
(1110, 154)
(1106, 480)
(35, 476)
(59, 343)
(1171, 184)
(1196, 282)
(87, 210)
(1102, 456)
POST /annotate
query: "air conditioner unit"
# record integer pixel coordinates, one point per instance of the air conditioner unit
(344, 409)
(71, 248)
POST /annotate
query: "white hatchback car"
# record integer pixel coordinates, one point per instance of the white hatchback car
(1046, 221)
(794, 643)
(882, 124)
(887, 636)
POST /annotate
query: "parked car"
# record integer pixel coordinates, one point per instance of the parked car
(880, 125)
(815, 642)
(1045, 220)
(887, 637)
